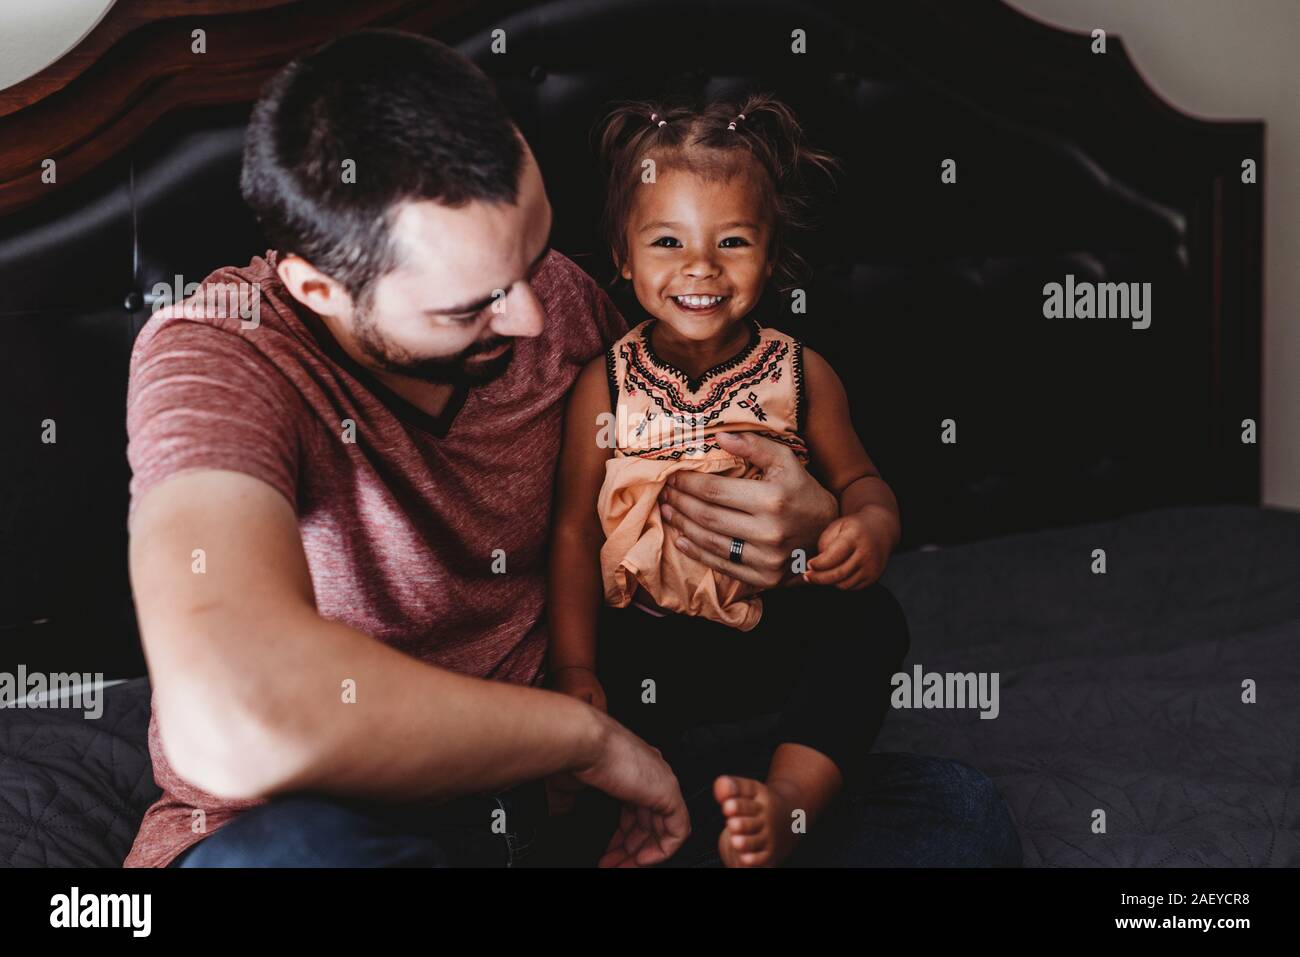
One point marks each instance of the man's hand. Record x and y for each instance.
(784, 510)
(654, 822)
(852, 552)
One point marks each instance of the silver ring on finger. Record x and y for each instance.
(737, 550)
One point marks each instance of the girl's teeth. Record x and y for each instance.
(698, 302)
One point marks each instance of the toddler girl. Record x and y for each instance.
(699, 215)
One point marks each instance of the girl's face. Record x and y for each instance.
(698, 251)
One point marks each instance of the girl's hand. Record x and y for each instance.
(852, 552)
(562, 793)
(581, 683)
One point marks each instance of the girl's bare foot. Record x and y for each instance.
(759, 831)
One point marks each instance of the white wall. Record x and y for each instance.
(1232, 59)
(35, 33)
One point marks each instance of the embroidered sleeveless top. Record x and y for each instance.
(665, 421)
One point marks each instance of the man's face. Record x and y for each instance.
(450, 311)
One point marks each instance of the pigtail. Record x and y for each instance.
(621, 130)
(773, 134)
(774, 128)
(630, 130)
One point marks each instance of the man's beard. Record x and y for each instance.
(461, 368)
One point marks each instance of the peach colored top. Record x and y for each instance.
(665, 421)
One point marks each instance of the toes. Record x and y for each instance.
(733, 856)
(725, 787)
(729, 786)
(745, 824)
(741, 807)
(747, 843)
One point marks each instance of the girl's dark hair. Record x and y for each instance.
(716, 142)
(420, 121)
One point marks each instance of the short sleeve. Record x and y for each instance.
(608, 319)
(203, 397)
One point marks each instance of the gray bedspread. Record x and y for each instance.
(72, 790)
(1119, 693)
(1123, 692)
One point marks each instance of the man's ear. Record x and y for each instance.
(311, 287)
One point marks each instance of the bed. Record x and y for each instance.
(1119, 692)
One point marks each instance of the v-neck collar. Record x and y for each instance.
(435, 425)
(694, 384)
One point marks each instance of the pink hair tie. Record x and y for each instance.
(732, 124)
(655, 116)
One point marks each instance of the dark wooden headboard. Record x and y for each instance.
(927, 296)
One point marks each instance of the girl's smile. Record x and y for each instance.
(694, 307)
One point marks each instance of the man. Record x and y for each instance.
(339, 510)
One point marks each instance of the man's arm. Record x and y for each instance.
(249, 678)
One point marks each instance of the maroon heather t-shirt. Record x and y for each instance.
(400, 527)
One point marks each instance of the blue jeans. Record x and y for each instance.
(901, 810)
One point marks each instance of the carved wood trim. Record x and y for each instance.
(137, 65)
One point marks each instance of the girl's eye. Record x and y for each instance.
(737, 240)
(667, 242)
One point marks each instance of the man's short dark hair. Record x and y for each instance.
(419, 120)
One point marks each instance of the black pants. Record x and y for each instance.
(820, 660)
(821, 657)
